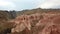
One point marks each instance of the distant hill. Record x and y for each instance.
(7, 15)
(38, 10)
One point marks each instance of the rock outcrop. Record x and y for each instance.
(45, 23)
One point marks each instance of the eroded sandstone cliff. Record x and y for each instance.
(45, 23)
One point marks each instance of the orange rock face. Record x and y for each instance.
(46, 23)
